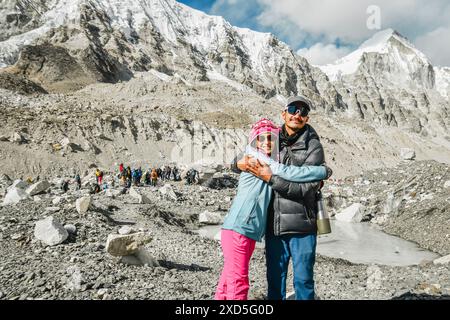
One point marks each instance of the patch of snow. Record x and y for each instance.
(170, 18)
(164, 77)
(177, 76)
(256, 44)
(63, 13)
(216, 76)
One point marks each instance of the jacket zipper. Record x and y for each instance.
(277, 216)
(307, 215)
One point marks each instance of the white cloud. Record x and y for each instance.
(300, 22)
(436, 46)
(347, 19)
(321, 54)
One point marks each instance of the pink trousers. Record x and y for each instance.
(237, 251)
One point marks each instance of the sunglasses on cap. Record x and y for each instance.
(302, 110)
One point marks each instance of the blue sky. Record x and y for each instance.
(244, 14)
(326, 30)
(245, 17)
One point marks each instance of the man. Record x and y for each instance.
(78, 181)
(176, 174)
(194, 176)
(97, 174)
(189, 176)
(65, 186)
(168, 172)
(291, 226)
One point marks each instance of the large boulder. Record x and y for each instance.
(70, 228)
(126, 230)
(18, 184)
(50, 231)
(83, 204)
(15, 195)
(38, 187)
(88, 179)
(68, 145)
(168, 192)
(407, 154)
(139, 197)
(442, 260)
(125, 245)
(207, 217)
(354, 213)
(17, 137)
(392, 203)
(64, 142)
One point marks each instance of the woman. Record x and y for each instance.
(245, 223)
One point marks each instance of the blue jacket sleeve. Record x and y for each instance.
(300, 174)
(290, 173)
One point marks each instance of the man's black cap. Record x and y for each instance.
(299, 100)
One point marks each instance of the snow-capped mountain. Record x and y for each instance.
(139, 35)
(402, 54)
(388, 81)
(64, 45)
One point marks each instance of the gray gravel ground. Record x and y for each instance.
(190, 267)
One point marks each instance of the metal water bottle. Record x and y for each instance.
(323, 221)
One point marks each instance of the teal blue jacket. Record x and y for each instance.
(248, 212)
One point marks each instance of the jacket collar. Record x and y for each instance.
(296, 140)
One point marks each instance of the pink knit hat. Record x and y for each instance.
(263, 126)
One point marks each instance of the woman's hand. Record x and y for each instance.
(245, 163)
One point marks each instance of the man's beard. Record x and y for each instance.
(296, 125)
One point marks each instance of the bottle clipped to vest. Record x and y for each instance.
(323, 221)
